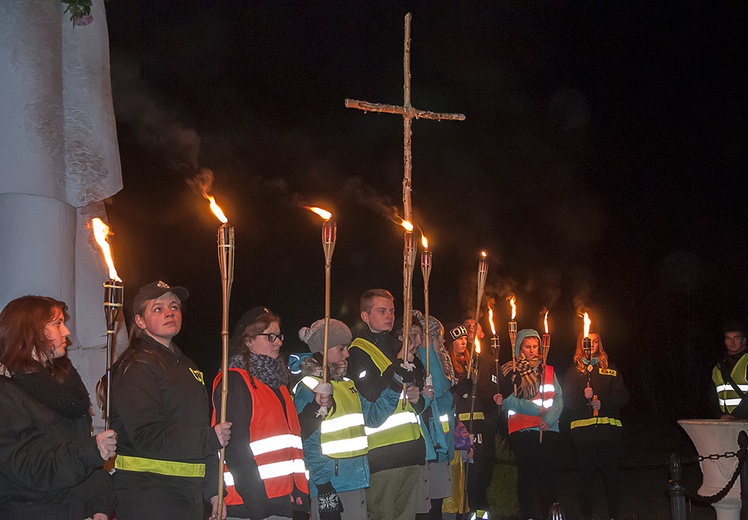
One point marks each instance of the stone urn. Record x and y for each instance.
(711, 436)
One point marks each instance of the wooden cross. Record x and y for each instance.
(408, 112)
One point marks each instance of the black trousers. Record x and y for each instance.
(598, 449)
(480, 472)
(536, 463)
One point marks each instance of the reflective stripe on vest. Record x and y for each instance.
(594, 421)
(728, 397)
(275, 442)
(342, 433)
(169, 468)
(402, 425)
(444, 420)
(477, 416)
(518, 421)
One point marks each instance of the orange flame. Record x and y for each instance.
(513, 303)
(215, 208)
(587, 323)
(545, 322)
(407, 225)
(326, 215)
(490, 321)
(483, 254)
(424, 242)
(101, 232)
(477, 346)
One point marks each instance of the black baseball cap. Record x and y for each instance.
(156, 290)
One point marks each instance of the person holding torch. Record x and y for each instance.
(594, 395)
(166, 467)
(532, 409)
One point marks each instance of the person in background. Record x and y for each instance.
(265, 460)
(438, 419)
(50, 464)
(534, 401)
(594, 394)
(730, 377)
(167, 466)
(335, 444)
(396, 448)
(485, 416)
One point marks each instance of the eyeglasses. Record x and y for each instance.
(272, 336)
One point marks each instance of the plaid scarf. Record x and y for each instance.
(527, 371)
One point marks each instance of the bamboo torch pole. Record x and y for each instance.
(482, 273)
(426, 258)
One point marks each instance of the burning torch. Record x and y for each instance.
(113, 298)
(409, 259)
(495, 347)
(482, 274)
(587, 347)
(226, 250)
(513, 334)
(329, 237)
(426, 258)
(546, 344)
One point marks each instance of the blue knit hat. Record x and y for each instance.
(524, 333)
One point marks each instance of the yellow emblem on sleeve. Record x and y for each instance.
(198, 375)
(608, 372)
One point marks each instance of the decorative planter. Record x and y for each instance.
(717, 437)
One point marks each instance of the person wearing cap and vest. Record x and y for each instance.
(335, 444)
(166, 466)
(396, 448)
(594, 394)
(265, 474)
(534, 401)
(730, 377)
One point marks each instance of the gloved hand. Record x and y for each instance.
(595, 404)
(588, 393)
(462, 389)
(399, 376)
(330, 505)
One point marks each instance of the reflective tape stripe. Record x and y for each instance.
(545, 404)
(278, 442)
(228, 478)
(344, 445)
(596, 420)
(337, 424)
(730, 402)
(476, 416)
(160, 467)
(281, 469)
(728, 388)
(393, 421)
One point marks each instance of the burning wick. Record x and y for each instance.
(215, 208)
(326, 215)
(101, 232)
(587, 323)
(546, 339)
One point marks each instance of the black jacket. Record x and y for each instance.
(160, 410)
(50, 466)
(607, 385)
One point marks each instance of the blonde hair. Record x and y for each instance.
(579, 353)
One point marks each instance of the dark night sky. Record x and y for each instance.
(599, 164)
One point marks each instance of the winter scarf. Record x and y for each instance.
(69, 397)
(272, 372)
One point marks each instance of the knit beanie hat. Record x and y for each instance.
(524, 333)
(436, 328)
(314, 335)
(456, 330)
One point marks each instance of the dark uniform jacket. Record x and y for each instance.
(160, 410)
(607, 385)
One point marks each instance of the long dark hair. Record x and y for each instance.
(23, 345)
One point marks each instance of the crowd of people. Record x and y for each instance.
(365, 429)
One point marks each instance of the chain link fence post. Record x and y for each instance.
(677, 490)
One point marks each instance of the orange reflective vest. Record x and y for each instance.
(544, 398)
(275, 442)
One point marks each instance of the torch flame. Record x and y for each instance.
(477, 345)
(407, 225)
(326, 215)
(490, 321)
(424, 242)
(513, 303)
(215, 208)
(483, 254)
(587, 323)
(101, 232)
(545, 322)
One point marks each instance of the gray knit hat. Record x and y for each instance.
(436, 328)
(314, 336)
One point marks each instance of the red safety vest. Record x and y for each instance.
(518, 421)
(276, 444)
